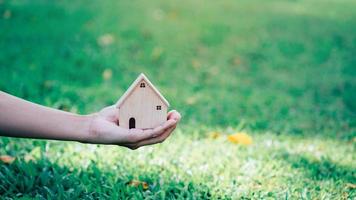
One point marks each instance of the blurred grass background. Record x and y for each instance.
(283, 71)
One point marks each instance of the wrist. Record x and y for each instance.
(86, 131)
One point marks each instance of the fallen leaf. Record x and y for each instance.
(137, 183)
(107, 74)
(106, 40)
(144, 185)
(7, 159)
(240, 138)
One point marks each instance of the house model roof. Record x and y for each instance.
(134, 84)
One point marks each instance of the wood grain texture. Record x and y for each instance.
(138, 80)
(141, 104)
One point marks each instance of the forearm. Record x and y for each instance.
(20, 118)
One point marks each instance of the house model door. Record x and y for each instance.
(132, 123)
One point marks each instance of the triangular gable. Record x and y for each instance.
(134, 84)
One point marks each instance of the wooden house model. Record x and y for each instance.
(142, 105)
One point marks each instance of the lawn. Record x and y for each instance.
(282, 72)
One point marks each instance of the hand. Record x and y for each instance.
(104, 130)
(20, 118)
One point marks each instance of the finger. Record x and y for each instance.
(150, 141)
(160, 129)
(158, 139)
(174, 115)
(137, 135)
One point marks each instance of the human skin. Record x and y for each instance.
(21, 118)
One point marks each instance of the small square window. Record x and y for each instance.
(142, 85)
(159, 107)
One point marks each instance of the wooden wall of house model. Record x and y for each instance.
(142, 105)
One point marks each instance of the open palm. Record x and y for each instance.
(104, 129)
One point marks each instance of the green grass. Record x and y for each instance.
(282, 71)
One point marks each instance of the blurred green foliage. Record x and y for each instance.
(281, 67)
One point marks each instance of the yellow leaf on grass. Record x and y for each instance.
(240, 138)
(137, 183)
(144, 185)
(7, 159)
